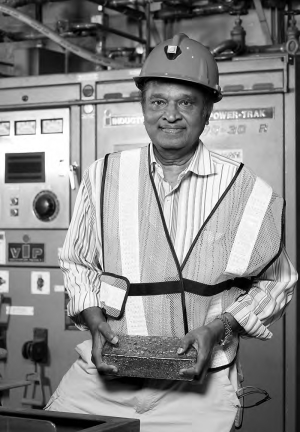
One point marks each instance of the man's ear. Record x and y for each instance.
(208, 107)
(208, 116)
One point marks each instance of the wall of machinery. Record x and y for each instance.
(61, 36)
(67, 97)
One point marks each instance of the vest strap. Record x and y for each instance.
(174, 287)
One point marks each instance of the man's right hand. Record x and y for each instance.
(101, 332)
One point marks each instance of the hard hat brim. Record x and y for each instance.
(216, 95)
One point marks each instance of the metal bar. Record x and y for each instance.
(263, 22)
(67, 104)
(291, 160)
(148, 28)
(120, 33)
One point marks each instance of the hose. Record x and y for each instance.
(81, 52)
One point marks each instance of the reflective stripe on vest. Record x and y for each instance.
(129, 236)
(249, 227)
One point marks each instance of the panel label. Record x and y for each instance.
(242, 114)
(20, 310)
(26, 252)
(235, 154)
(110, 120)
(59, 288)
(4, 128)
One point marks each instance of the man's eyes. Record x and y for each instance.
(158, 102)
(186, 103)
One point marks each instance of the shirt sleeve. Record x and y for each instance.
(267, 299)
(81, 255)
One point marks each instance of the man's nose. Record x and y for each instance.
(172, 112)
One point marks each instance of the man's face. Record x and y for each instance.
(175, 114)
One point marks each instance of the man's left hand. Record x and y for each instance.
(203, 339)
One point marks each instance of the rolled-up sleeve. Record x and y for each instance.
(81, 257)
(267, 299)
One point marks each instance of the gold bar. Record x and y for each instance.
(149, 357)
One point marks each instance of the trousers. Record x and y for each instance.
(160, 405)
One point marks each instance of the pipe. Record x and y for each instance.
(257, 49)
(190, 12)
(226, 45)
(75, 49)
(96, 26)
(20, 3)
(4, 63)
(263, 22)
(121, 52)
(22, 36)
(148, 28)
(132, 13)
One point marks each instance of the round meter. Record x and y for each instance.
(46, 206)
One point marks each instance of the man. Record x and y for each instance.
(195, 241)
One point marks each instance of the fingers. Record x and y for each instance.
(200, 338)
(99, 338)
(185, 343)
(198, 371)
(107, 332)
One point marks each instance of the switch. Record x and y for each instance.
(40, 283)
(14, 212)
(14, 201)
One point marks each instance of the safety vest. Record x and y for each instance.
(144, 288)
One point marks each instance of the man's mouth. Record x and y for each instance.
(172, 131)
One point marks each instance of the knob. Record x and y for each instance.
(45, 206)
(14, 201)
(14, 212)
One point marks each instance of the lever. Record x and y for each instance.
(72, 173)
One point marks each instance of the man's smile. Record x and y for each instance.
(171, 130)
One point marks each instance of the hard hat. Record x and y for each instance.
(185, 59)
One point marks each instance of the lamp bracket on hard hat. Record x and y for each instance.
(183, 59)
(172, 52)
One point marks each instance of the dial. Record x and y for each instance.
(46, 206)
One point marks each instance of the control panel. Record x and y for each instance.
(35, 169)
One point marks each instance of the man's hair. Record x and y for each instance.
(208, 98)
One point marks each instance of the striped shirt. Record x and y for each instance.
(185, 206)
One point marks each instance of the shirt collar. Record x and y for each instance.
(200, 164)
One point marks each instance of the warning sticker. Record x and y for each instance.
(242, 114)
